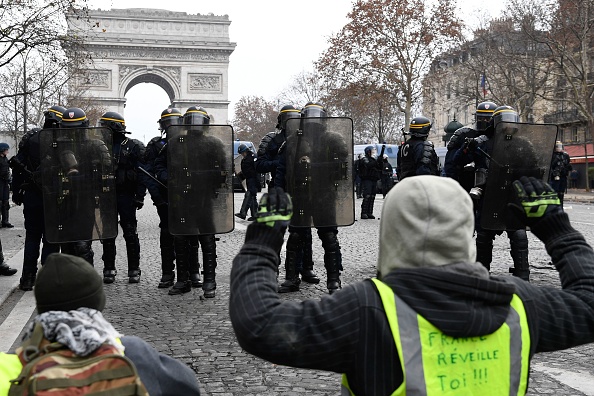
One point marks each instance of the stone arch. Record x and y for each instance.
(185, 54)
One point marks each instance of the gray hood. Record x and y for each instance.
(427, 221)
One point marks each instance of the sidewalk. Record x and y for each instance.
(580, 196)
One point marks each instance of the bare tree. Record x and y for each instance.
(388, 45)
(254, 117)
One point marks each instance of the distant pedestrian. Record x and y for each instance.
(5, 180)
(249, 174)
(386, 178)
(573, 178)
(560, 168)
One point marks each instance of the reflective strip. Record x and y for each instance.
(112, 119)
(414, 372)
(419, 126)
(515, 350)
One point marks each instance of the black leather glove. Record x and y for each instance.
(533, 200)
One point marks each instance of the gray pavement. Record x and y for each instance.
(198, 331)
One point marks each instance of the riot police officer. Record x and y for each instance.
(127, 157)
(299, 240)
(186, 246)
(75, 117)
(464, 173)
(27, 191)
(478, 150)
(370, 169)
(560, 168)
(417, 156)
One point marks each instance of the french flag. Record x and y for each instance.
(484, 85)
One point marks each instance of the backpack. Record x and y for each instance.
(52, 368)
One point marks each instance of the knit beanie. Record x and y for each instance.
(426, 221)
(66, 283)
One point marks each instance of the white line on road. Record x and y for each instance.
(18, 318)
(579, 380)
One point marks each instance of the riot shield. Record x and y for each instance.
(518, 150)
(200, 186)
(79, 197)
(319, 160)
(237, 170)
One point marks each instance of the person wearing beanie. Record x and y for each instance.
(433, 320)
(70, 299)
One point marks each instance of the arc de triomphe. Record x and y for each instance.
(186, 55)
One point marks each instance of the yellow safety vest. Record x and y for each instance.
(437, 364)
(10, 368)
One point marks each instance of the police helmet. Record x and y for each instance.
(419, 127)
(505, 114)
(53, 116)
(113, 121)
(4, 147)
(312, 109)
(75, 117)
(369, 151)
(169, 116)
(196, 115)
(484, 112)
(242, 148)
(287, 112)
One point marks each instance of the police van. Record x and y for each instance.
(391, 151)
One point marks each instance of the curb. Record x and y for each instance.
(9, 283)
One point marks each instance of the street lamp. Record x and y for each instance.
(24, 58)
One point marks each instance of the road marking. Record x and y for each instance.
(581, 222)
(579, 380)
(18, 318)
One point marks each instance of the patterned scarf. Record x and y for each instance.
(82, 330)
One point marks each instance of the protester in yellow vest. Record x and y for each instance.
(434, 322)
(69, 298)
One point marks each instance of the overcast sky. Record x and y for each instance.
(262, 30)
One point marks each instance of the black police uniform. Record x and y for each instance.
(370, 171)
(130, 191)
(27, 191)
(518, 238)
(457, 171)
(186, 246)
(560, 168)
(417, 157)
(5, 179)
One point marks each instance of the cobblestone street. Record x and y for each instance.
(198, 331)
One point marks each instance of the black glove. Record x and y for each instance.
(470, 145)
(17, 197)
(139, 203)
(533, 200)
(275, 210)
(274, 214)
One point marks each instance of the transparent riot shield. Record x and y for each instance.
(237, 170)
(518, 150)
(319, 160)
(200, 186)
(79, 197)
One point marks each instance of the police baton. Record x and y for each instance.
(489, 157)
(151, 176)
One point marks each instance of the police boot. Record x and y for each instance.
(519, 254)
(167, 258)
(307, 273)
(484, 249)
(27, 281)
(194, 264)
(133, 253)
(108, 257)
(332, 264)
(183, 284)
(209, 261)
(292, 281)
(5, 209)
(364, 208)
(5, 270)
(370, 204)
